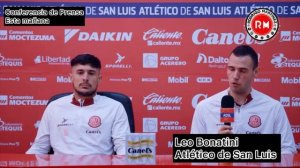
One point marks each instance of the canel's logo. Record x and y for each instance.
(203, 36)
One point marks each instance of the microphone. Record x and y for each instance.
(227, 110)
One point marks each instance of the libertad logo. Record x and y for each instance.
(52, 60)
(162, 37)
(97, 36)
(262, 24)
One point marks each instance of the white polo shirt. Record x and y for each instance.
(262, 115)
(99, 128)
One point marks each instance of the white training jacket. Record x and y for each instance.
(99, 128)
(262, 115)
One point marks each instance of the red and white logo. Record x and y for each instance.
(254, 121)
(262, 24)
(95, 121)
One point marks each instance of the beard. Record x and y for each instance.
(85, 94)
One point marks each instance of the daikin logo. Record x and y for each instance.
(97, 36)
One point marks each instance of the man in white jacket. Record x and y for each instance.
(83, 123)
(255, 112)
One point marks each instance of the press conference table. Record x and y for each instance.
(23, 160)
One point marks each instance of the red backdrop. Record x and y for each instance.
(182, 58)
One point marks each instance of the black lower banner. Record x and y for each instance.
(226, 148)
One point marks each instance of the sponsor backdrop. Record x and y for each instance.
(167, 56)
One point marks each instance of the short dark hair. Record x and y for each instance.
(245, 50)
(86, 59)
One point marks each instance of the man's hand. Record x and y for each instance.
(225, 129)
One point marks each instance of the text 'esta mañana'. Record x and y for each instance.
(200, 142)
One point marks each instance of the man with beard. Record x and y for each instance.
(83, 123)
(254, 112)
